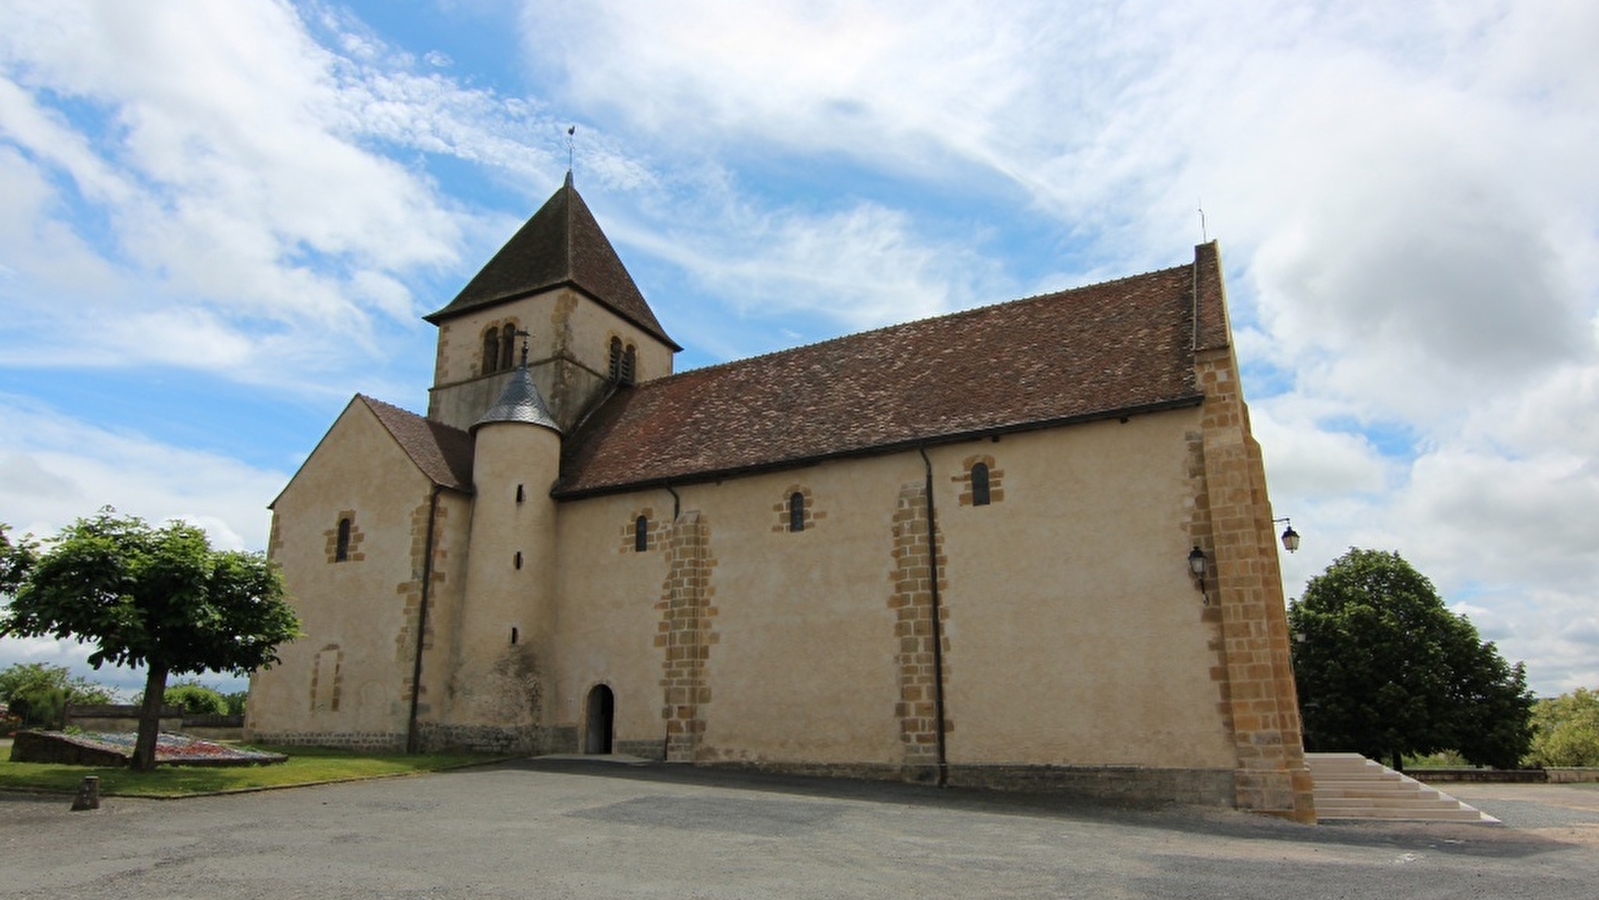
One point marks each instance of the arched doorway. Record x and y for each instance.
(601, 709)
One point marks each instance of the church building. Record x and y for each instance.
(1024, 546)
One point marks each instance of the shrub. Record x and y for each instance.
(196, 699)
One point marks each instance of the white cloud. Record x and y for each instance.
(55, 468)
(211, 169)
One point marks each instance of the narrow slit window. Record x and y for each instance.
(796, 512)
(513, 634)
(520, 495)
(641, 534)
(616, 359)
(341, 547)
(517, 560)
(980, 495)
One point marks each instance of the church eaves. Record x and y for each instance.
(1107, 350)
(520, 402)
(560, 246)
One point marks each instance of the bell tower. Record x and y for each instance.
(559, 279)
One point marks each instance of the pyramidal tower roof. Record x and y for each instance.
(562, 245)
(519, 402)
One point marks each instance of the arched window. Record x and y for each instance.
(641, 534)
(796, 511)
(616, 359)
(980, 484)
(491, 350)
(507, 346)
(629, 364)
(341, 546)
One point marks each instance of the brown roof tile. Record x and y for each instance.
(442, 453)
(560, 245)
(1074, 355)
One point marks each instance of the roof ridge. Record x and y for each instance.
(969, 311)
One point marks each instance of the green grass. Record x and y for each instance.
(306, 765)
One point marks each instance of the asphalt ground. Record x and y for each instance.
(582, 828)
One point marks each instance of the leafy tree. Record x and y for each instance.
(1565, 730)
(39, 692)
(157, 597)
(196, 699)
(236, 701)
(1384, 668)
(15, 560)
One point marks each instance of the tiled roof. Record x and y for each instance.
(1090, 352)
(442, 453)
(560, 245)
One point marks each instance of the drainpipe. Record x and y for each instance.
(677, 502)
(938, 625)
(412, 739)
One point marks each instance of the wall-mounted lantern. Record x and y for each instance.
(1290, 536)
(1196, 567)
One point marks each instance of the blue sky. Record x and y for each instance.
(223, 219)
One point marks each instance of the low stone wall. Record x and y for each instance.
(1572, 775)
(215, 728)
(116, 717)
(211, 733)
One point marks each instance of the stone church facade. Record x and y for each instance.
(954, 550)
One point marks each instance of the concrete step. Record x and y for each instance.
(1349, 786)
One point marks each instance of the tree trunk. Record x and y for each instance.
(155, 689)
(1399, 761)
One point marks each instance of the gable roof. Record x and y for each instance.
(560, 246)
(1104, 350)
(441, 453)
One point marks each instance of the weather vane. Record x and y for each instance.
(571, 130)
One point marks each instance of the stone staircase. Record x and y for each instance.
(1350, 786)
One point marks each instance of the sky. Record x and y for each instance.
(221, 220)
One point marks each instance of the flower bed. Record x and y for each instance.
(171, 749)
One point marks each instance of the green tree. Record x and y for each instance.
(16, 560)
(156, 597)
(39, 692)
(236, 701)
(1384, 668)
(196, 699)
(1565, 730)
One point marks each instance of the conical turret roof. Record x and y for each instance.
(519, 402)
(562, 245)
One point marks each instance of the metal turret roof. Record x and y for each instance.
(519, 402)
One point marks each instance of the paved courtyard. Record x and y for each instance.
(561, 828)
